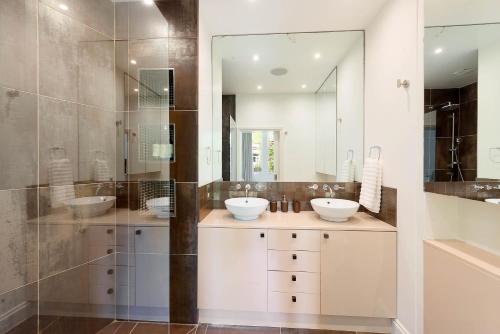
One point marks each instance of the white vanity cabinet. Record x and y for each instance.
(313, 268)
(232, 269)
(358, 274)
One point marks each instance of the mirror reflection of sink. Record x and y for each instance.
(87, 207)
(160, 207)
(246, 208)
(493, 200)
(334, 210)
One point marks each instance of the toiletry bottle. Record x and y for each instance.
(296, 206)
(273, 206)
(284, 204)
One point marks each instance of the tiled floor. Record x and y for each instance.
(154, 328)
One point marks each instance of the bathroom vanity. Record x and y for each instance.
(295, 269)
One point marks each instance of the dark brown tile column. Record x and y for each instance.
(182, 17)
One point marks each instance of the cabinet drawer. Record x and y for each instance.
(294, 261)
(102, 294)
(152, 240)
(294, 240)
(280, 281)
(289, 302)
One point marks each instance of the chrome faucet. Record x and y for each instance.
(326, 188)
(247, 188)
(100, 186)
(313, 187)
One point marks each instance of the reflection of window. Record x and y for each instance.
(264, 154)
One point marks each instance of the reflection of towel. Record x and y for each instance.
(348, 171)
(371, 185)
(60, 182)
(101, 171)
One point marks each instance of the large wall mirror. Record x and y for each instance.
(288, 107)
(462, 108)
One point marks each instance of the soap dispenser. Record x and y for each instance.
(284, 204)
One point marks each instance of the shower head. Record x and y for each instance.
(446, 106)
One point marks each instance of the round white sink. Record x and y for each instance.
(246, 208)
(493, 200)
(160, 207)
(87, 207)
(334, 210)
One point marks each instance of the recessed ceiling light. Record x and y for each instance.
(63, 6)
(165, 89)
(317, 55)
(148, 2)
(136, 89)
(256, 57)
(259, 87)
(438, 51)
(304, 86)
(133, 61)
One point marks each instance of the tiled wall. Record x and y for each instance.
(182, 17)
(465, 189)
(465, 128)
(213, 195)
(77, 97)
(56, 90)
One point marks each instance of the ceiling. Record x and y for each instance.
(230, 17)
(456, 66)
(456, 12)
(294, 52)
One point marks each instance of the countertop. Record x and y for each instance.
(305, 220)
(124, 217)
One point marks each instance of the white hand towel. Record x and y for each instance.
(60, 182)
(371, 185)
(101, 171)
(348, 171)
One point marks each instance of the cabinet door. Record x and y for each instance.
(358, 274)
(232, 269)
(152, 280)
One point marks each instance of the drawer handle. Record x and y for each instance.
(109, 251)
(294, 235)
(109, 231)
(110, 291)
(111, 271)
(294, 257)
(294, 299)
(138, 232)
(262, 235)
(326, 236)
(294, 278)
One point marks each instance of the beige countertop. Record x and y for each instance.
(305, 220)
(124, 217)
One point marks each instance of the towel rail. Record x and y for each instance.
(375, 147)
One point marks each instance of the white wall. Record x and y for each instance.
(294, 114)
(488, 161)
(350, 106)
(394, 120)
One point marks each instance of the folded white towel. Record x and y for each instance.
(60, 182)
(371, 185)
(101, 171)
(348, 171)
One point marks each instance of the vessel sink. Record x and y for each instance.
(493, 200)
(334, 210)
(246, 208)
(160, 207)
(86, 207)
